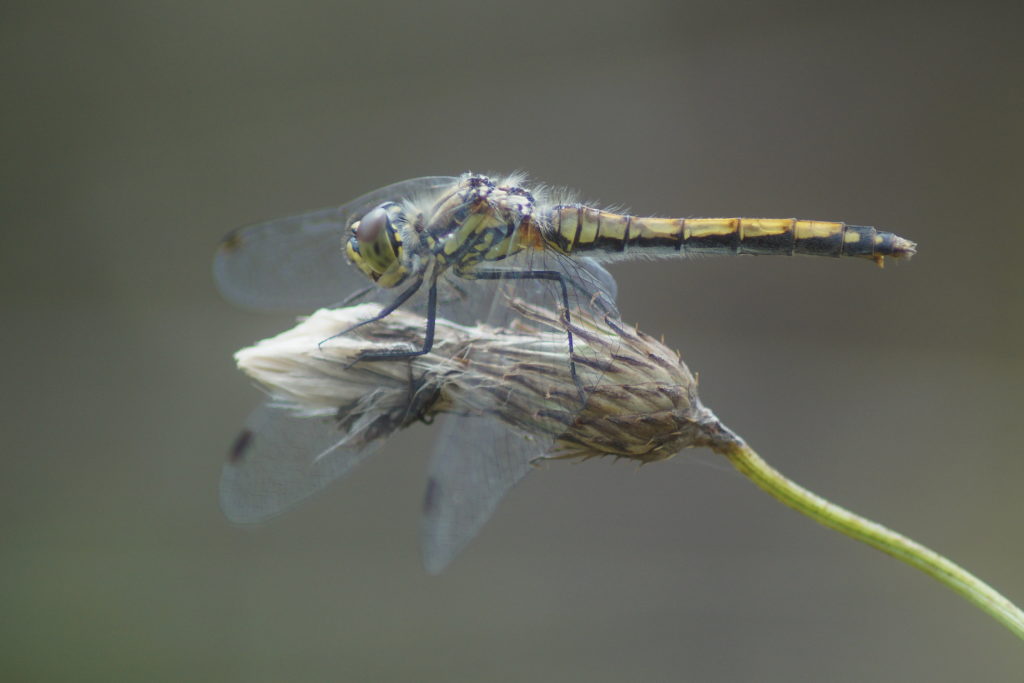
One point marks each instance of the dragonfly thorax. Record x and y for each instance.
(375, 245)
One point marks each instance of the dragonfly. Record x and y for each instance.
(460, 248)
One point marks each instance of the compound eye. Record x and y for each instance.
(371, 225)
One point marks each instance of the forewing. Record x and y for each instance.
(280, 459)
(477, 461)
(298, 262)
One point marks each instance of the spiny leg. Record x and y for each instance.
(384, 312)
(428, 337)
(554, 275)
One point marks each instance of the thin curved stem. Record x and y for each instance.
(877, 536)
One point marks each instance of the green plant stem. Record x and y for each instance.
(877, 536)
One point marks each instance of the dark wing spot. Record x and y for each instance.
(431, 497)
(232, 241)
(242, 443)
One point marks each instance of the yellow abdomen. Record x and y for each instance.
(583, 229)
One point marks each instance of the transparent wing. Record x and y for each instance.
(589, 288)
(299, 262)
(596, 278)
(478, 458)
(280, 459)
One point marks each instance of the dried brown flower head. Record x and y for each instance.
(640, 398)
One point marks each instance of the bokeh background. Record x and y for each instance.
(136, 133)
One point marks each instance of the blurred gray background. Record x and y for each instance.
(136, 134)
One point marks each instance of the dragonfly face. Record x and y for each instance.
(375, 246)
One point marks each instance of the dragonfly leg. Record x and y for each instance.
(384, 312)
(554, 276)
(428, 336)
(354, 296)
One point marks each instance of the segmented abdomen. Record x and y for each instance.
(583, 229)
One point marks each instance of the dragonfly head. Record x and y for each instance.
(375, 246)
